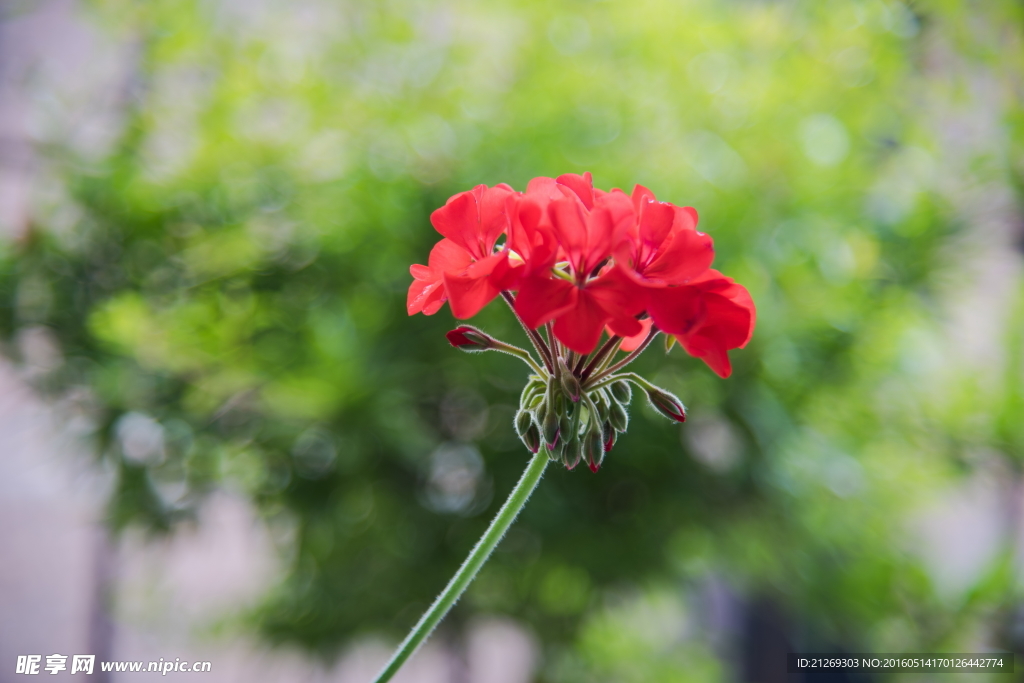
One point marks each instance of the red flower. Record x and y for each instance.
(709, 315)
(587, 226)
(466, 269)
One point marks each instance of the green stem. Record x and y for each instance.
(518, 353)
(625, 361)
(468, 571)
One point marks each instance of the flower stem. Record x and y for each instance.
(469, 569)
(625, 361)
(538, 342)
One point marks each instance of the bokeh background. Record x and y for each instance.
(222, 438)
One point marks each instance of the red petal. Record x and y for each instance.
(708, 349)
(470, 291)
(458, 220)
(618, 295)
(641, 195)
(541, 299)
(688, 254)
(420, 272)
(677, 310)
(582, 185)
(570, 228)
(580, 327)
(449, 257)
(631, 343)
(425, 297)
(655, 223)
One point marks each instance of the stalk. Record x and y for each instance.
(625, 361)
(538, 342)
(469, 569)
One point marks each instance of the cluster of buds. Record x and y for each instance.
(588, 274)
(576, 412)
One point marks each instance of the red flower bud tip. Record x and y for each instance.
(468, 339)
(667, 404)
(610, 441)
(594, 467)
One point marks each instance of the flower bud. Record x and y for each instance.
(602, 403)
(531, 438)
(609, 436)
(549, 427)
(667, 404)
(523, 422)
(570, 385)
(533, 388)
(621, 391)
(470, 339)
(564, 425)
(593, 449)
(618, 417)
(572, 452)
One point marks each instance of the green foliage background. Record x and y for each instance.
(237, 268)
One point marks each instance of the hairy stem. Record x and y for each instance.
(538, 342)
(607, 348)
(469, 569)
(522, 354)
(627, 360)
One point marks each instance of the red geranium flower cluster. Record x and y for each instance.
(586, 261)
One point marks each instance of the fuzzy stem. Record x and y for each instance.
(522, 354)
(469, 569)
(538, 342)
(599, 357)
(627, 360)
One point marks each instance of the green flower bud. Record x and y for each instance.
(531, 438)
(570, 385)
(610, 435)
(549, 427)
(572, 453)
(618, 417)
(667, 404)
(621, 391)
(524, 419)
(564, 425)
(593, 449)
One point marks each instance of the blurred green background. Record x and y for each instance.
(221, 293)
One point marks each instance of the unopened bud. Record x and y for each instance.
(618, 417)
(593, 449)
(470, 339)
(570, 385)
(621, 391)
(609, 437)
(531, 391)
(523, 422)
(531, 438)
(602, 403)
(549, 427)
(564, 424)
(667, 404)
(572, 452)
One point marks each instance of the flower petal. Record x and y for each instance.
(473, 289)
(579, 328)
(631, 343)
(581, 185)
(687, 254)
(541, 299)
